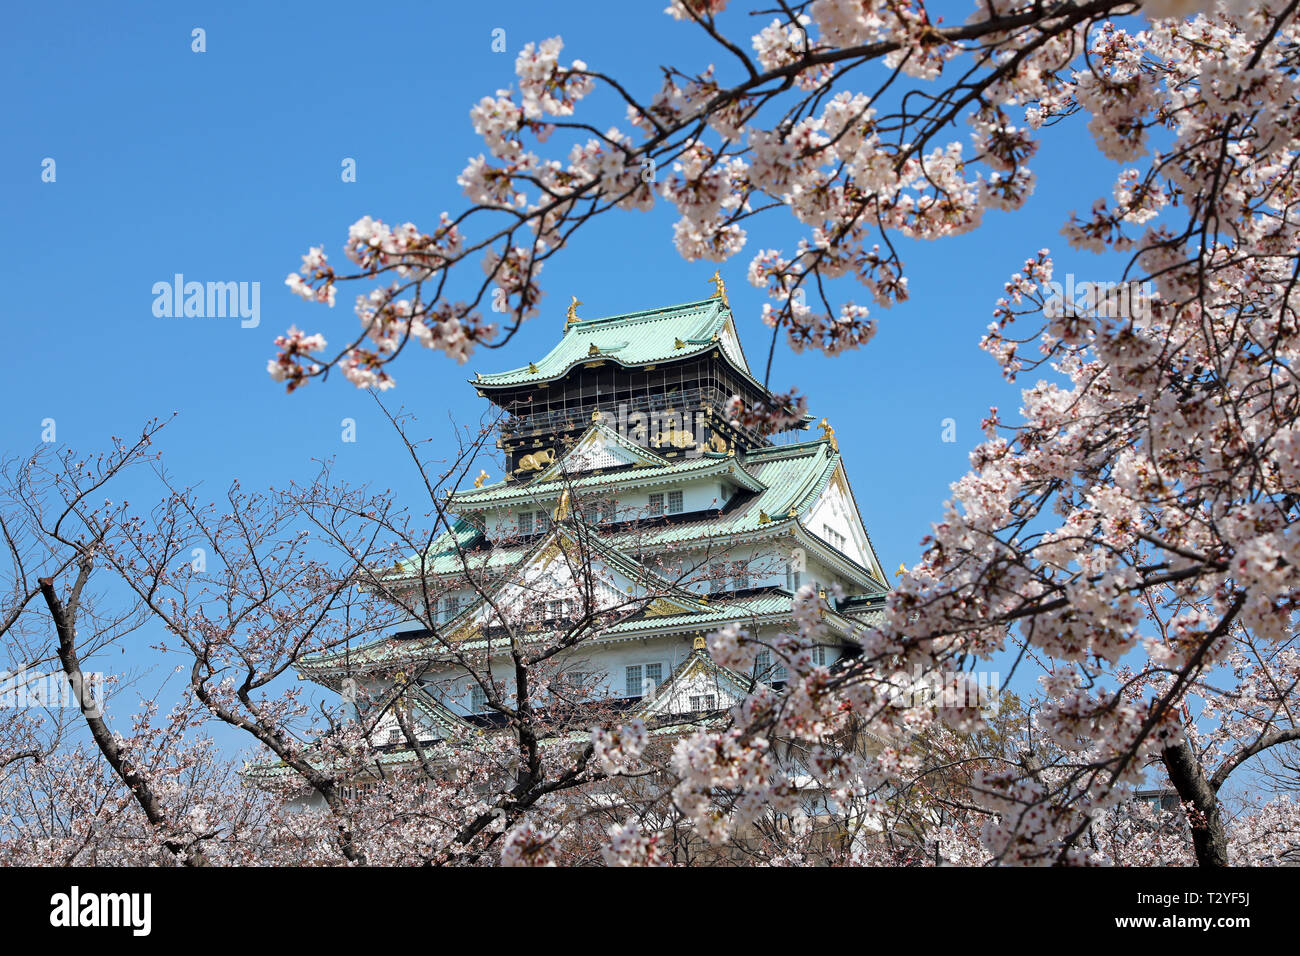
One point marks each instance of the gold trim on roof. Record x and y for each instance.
(719, 288)
(828, 434)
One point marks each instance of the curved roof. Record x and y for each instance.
(635, 339)
(785, 481)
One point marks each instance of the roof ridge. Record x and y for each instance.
(776, 451)
(642, 313)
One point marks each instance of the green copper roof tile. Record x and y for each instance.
(501, 493)
(633, 339)
(784, 477)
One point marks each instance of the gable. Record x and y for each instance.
(698, 685)
(560, 570)
(601, 447)
(834, 518)
(730, 342)
(429, 720)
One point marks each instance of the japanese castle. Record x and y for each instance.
(634, 507)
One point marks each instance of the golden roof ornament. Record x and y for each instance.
(901, 569)
(719, 288)
(597, 416)
(482, 477)
(678, 344)
(562, 510)
(593, 349)
(828, 434)
(699, 644)
(764, 517)
(532, 367)
(571, 316)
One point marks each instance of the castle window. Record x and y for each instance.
(656, 504)
(717, 577)
(394, 735)
(674, 502)
(739, 575)
(641, 679)
(701, 702)
(571, 686)
(525, 522)
(764, 670)
(477, 699)
(543, 520)
(450, 606)
(834, 537)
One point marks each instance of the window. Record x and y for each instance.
(450, 606)
(571, 686)
(717, 577)
(477, 698)
(704, 702)
(819, 655)
(739, 575)
(764, 670)
(525, 522)
(591, 515)
(394, 735)
(792, 579)
(542, 519)
(656, 504)
(834, 537)
(641, 679)
(674, 502)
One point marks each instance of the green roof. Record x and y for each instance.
(634, 339)
(501, 493)
(392, 651)
(787, 477)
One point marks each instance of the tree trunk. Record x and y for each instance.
(1188, 778)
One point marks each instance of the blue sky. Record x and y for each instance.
(225, 166)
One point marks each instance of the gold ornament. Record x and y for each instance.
(719, 288)
(828, 434)
(562, 510)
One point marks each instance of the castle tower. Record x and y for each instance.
(619, 440)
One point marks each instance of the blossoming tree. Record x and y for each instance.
(1133, 531)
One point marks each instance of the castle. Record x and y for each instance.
(637, 514)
